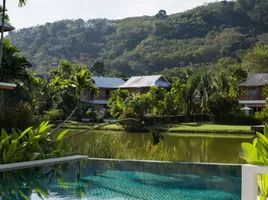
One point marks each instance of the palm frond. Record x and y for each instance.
(22, 3)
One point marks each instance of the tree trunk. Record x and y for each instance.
(102, 125)
(77, 104)
(90, 129)
(2, 31)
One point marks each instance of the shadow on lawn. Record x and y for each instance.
(166, 127)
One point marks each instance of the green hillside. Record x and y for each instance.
(150, 44)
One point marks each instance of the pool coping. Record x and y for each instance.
(39, 163)
(164, 162)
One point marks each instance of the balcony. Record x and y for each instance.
(101, 97)
(252, 97)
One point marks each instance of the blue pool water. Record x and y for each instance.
(120, 180)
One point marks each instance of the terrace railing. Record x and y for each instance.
(102, 97)
(252, 97)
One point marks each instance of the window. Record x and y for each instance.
(251, 92)
(107, 92)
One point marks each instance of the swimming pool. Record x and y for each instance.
(114, 179)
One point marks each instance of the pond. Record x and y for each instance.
(209, 148)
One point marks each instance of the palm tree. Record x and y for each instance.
(78, 77)
(21, 3)
(14, 66)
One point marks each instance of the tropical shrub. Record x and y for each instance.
(130, 125)
(257, 154)
(237, 119)
(15, 114)
(263, 115)
(31, 144)
(96, 115)
(52, 115)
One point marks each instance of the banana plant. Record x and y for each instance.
(30, 144)
(257, 154)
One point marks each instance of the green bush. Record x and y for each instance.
(130, 125)
(96, 115)
(262, 116)
(237, 119)
(52, 115)
(31, 144)
(15, 115)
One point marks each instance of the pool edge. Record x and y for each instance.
(39, 163)
(167, 162)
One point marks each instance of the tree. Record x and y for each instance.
(14, 66)
(162, 14)
(255, 61)
(98, 68)
(206, 88)
(77, 77)
(3, 18)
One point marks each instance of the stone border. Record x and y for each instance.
(164, 162)
(39, 163)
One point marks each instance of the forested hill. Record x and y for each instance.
(146, 45)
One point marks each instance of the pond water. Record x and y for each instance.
(209, 148)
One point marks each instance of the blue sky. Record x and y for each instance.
(42, 11)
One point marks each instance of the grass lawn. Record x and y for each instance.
(181, 127)
(86, 125)
(203, 127)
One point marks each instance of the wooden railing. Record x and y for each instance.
(252, 97)
(102, 97)
(92, 98)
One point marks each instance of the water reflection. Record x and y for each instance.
(183, 148)
(104, 179)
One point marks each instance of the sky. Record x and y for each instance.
(38, 12)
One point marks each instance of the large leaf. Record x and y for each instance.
(263, 185)
(5, 141)
(15, 135)
(262, 149)
(262, 139)
(3, 134)
(63, 133)
(44, 127)
(24, 132)
(251, 154)
(12, 148)
(265, 131)
(24, 195)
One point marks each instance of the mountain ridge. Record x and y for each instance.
(149, 44)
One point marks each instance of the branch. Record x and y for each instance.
(94, 128)
(77, 104)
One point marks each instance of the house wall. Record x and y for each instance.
(104, 94)
(252, 97)
(6, 87)
(138, 90)
(251, 93)
(162, 83)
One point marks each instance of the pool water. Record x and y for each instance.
(120, 180)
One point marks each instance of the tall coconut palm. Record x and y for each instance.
(21, 3)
